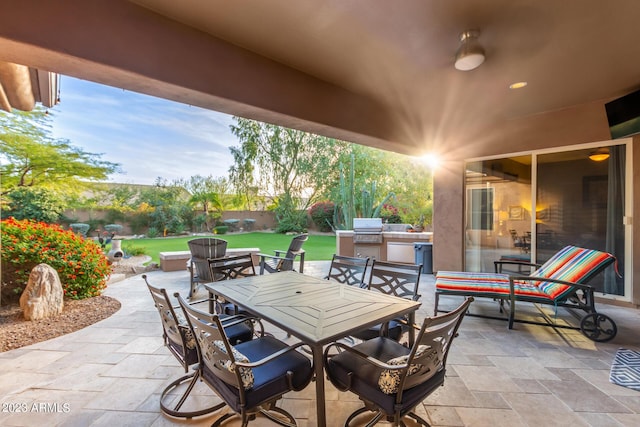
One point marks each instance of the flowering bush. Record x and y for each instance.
(390, 214)
(82, 266)
(322, 215)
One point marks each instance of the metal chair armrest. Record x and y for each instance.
(498, 264)
(241, 318)
(271, 357)
(582, 286)
(264, 256)
(363, 356)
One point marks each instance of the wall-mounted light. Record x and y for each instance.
(599, 155)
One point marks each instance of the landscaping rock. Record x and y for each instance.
(43, 297)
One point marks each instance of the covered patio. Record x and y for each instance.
(393, 78)
(380, 76)
(112, 373)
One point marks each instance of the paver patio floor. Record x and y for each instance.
(112, 373)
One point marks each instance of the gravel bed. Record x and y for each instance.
(15, 332)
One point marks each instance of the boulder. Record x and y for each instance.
(43, 296)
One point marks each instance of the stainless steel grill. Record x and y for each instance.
(367, 230)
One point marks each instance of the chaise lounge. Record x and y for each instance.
(560, 282)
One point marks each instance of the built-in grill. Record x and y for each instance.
(367, 230)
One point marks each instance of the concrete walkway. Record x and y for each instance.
(111, 373)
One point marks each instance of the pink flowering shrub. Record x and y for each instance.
(390, 214)
(322, 215)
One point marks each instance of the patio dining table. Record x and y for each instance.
(315, 311)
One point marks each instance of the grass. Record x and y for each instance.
(317, 248)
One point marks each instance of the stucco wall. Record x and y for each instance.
(583, 124)
(265, 220)
(448, 220)
(587, 123)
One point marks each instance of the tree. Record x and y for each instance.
(30, 157)
(372, 177)
(38, 204)
(165, 207)
(288, 165)
(414, 191)
(208, 194)
(296, 169)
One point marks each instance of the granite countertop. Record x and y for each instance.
(425, 235)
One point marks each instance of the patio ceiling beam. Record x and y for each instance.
(121, 44)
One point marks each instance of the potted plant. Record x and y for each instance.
(419, 225)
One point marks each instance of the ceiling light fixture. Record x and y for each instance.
(599, 155)
(470, 54)
(517, 85)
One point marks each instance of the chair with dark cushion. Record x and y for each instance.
(283, 260)
(249, 377)
(229, 268)
(390, 378)
(348, 270)
(201, 250)
(181, 343)
(401, 280)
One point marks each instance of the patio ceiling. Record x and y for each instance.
(375, 72)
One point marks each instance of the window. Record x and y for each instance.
(481, 209)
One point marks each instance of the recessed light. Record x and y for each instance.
(517, 85)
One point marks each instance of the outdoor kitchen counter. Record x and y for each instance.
(406, 235)
(396, 246)
(424, 236)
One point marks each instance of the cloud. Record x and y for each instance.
(149, 137)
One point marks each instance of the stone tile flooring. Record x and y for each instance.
(111, 373)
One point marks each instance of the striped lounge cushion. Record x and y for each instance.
(572, 264)
(485, 284)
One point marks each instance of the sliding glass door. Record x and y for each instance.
(580, 201)
(498, 200)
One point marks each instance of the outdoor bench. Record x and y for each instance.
(560, 282)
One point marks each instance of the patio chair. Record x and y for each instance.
(228, 268)
(522, 242)
(180, 342)
(390, 378)
(348, 270)
(249, 377)
(201, 250)
(562, 281)
(401, 280)
(283, 260)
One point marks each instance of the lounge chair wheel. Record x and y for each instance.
(598, 327)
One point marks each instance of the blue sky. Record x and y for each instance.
(149, 137)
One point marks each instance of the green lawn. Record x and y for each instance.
(317, 248)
